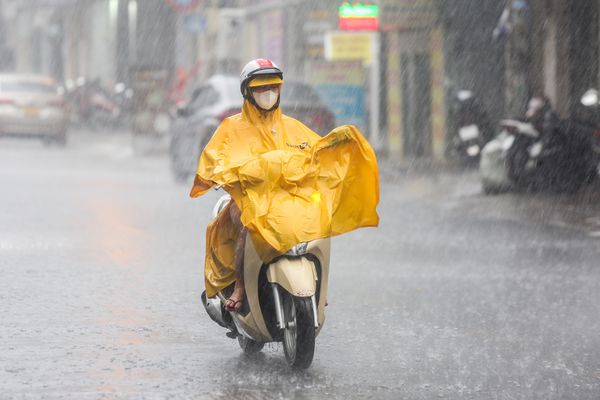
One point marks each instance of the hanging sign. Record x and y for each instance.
(358, 17)
(343, 46)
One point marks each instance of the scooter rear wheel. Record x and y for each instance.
(299, 331)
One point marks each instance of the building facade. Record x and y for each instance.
(426, 51)
(566, 47)
(544, 47)
(413, 74)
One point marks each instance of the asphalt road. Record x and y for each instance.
(455, 296)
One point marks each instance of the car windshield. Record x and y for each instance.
(210, 94)
(298, 92)
(28, 87)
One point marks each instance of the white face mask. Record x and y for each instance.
(266, 100)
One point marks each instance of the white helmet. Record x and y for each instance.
(256, 68)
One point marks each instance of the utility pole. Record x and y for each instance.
(4, 56)
(56, 34)
(155, 35)
(518, 55)
(122, 70)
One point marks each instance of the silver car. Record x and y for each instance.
(32, 106)
(216, 99)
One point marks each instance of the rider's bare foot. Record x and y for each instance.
(234, 302)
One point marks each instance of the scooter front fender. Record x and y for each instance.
(298, 276)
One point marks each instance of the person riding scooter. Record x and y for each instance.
(543, 117)
(271, 165)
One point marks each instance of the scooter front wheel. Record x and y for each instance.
(299, 331)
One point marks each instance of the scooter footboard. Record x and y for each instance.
(298, 276)
(492, 165)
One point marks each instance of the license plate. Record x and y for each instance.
(32, 111)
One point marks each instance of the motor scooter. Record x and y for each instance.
(284, 302)
(468, 142)
(472, 127)
(521, 158)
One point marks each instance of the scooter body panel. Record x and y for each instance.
(296, 275)
(321, 250)
(253, 323)
(301, 276)
(492, 164)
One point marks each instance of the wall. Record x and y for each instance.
(414, 76)
(155, 35)
(474, 60)
(569, 41)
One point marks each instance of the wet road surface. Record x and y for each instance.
(455, 296)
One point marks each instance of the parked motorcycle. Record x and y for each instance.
(472, 127)
(285, 299)
(103, 111)
(124, 98)
(520, 157)
(93, 106)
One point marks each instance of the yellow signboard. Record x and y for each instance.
(349, 46)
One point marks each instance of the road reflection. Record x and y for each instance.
(113, 233)
(267, 376)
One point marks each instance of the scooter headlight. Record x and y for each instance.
(297, 250)
(473, 150)
(508, 142)
(536, 150)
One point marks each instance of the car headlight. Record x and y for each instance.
(297, 250)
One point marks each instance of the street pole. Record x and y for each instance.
(517, 58)
(374, 105)
(122, 71)
(155, 36)
(3, 51)
(56, 61)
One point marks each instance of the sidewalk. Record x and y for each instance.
(579, 211)
(393, 168)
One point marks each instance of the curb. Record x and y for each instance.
(398, 168)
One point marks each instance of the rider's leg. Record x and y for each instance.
(234, 302)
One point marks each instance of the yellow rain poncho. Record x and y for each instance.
(290, 184)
